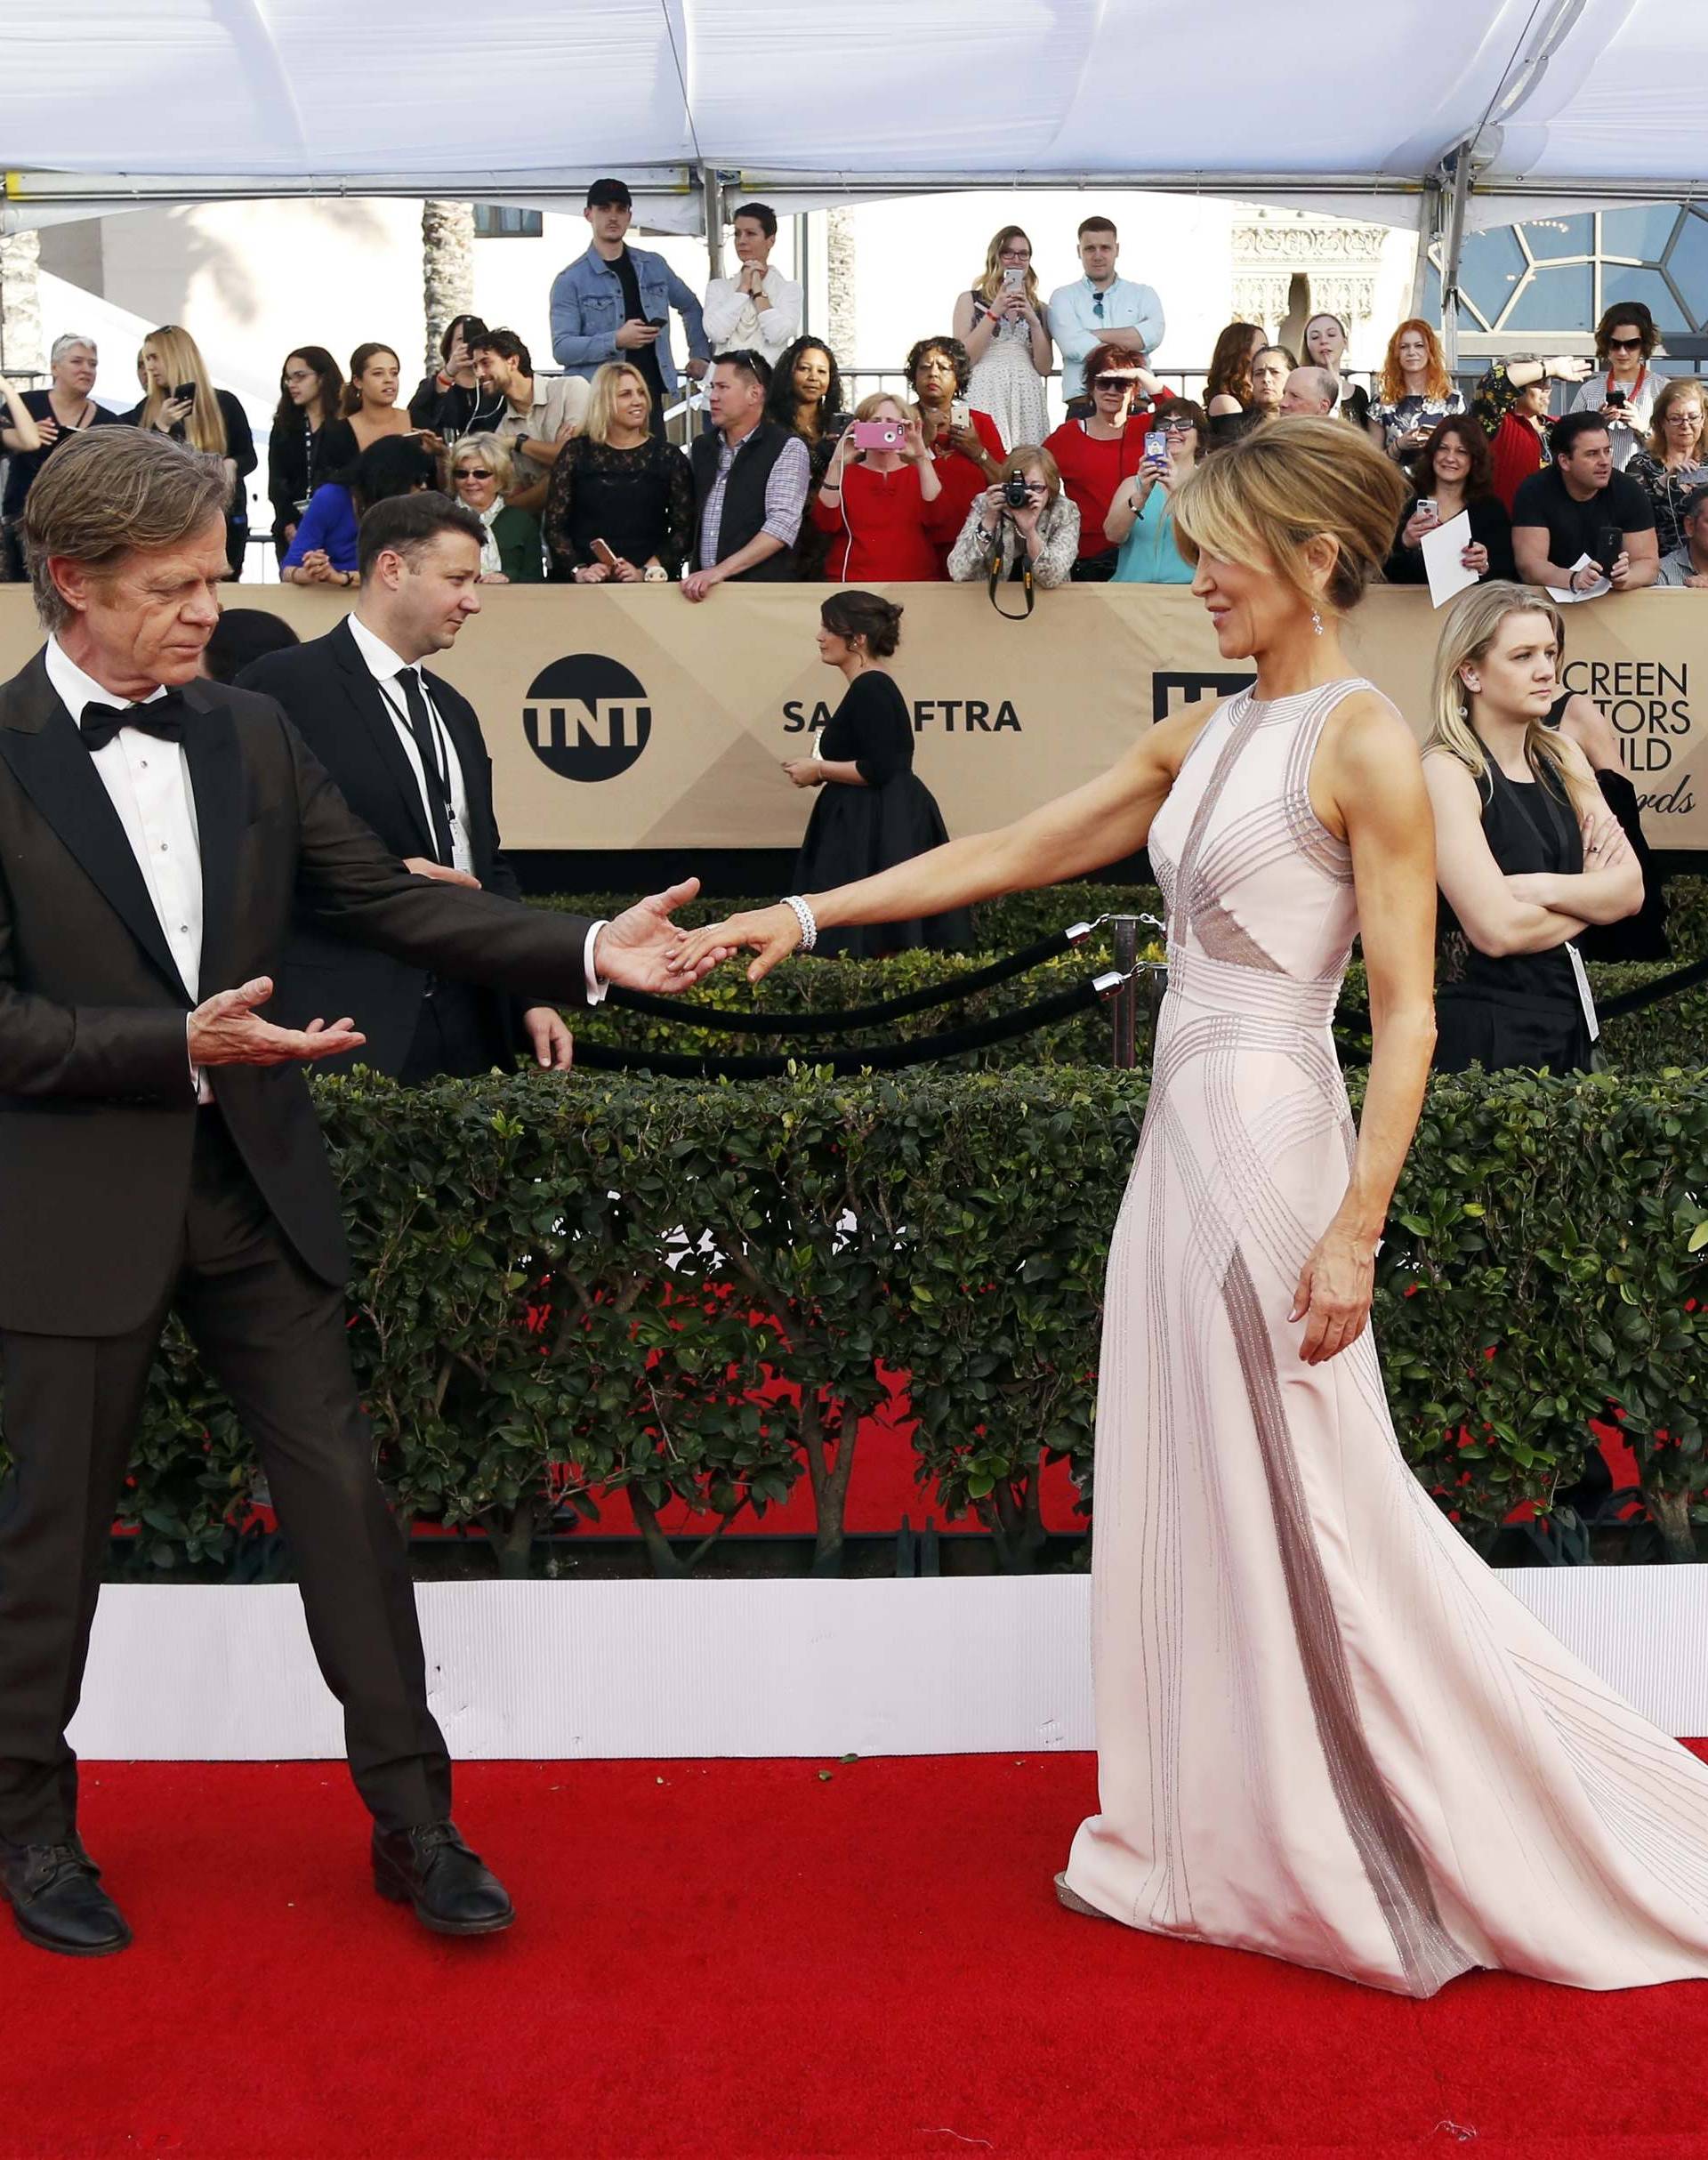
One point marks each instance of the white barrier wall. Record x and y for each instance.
(547, 1669)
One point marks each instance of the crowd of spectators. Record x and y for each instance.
(953, 474)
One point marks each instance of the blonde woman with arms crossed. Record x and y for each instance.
(1325, 1731)
(1528, 854)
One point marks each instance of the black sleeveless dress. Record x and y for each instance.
(1519, 1009)
(1642, 936)
(856, 832)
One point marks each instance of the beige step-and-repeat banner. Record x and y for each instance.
(632, 718)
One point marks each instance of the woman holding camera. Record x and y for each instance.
(1140, 523)
(880, 503)
(1003, 324)
(1455, 472)
(1024, 524)
(872, 810)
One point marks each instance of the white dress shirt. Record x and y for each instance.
(385, 666)
(147, 782)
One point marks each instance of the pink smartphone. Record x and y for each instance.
(604, 553)
(879, 434)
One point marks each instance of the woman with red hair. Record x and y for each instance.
(1095, 455)
(1413, 392)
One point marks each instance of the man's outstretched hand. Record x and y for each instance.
(636, 949)
(225, 1030)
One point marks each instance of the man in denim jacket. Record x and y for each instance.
(613, 304)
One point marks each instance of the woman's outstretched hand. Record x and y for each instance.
(771, 932)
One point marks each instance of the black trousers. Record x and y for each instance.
(273, 1336)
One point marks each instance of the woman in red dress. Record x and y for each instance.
(883, 509)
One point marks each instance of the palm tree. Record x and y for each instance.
(447, 268)
(21, 305)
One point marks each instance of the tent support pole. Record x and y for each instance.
(1429, 231)
(1452, 252)
(713, 184)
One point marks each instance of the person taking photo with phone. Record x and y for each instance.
(182, 403)
(881, 501)
(1141, 521)
(1624, 387)
(1579, 507)
(965, 444)
(1003, 325)
(1024, 526)
(1095, 455)
(1454, 473)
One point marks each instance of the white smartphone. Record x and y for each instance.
(960, 413)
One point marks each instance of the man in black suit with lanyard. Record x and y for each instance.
(158, 1154)
(405, 751)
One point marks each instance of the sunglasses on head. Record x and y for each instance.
(1625, 344)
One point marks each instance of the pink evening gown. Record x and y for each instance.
(1325, 1730)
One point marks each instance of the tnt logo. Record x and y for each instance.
(587, 717)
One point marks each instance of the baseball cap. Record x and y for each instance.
(604, 193)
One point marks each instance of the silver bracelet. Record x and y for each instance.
(804, 916)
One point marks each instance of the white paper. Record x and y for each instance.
(1567, 598)
(1586, 996)
(1442, 548)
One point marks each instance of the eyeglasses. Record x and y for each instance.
(301, 375)
(1625, 344)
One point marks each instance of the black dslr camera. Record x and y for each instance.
(1014, 492)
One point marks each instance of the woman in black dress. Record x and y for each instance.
(619, 482)
(207, 419)
(873, 811)
(1528, 854)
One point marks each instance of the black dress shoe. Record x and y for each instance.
(430, 1868)
(56, 1895)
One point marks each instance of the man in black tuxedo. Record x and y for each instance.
(406, 752)
(159, 1153)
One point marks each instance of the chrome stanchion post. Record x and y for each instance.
(1123, 1007)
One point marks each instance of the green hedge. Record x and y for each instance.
(567, 1288)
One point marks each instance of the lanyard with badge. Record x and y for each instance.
(433, 746)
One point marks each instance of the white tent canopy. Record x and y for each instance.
(103, 104)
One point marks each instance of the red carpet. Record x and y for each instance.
(747, 1958)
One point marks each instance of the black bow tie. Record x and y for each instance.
(162, 716)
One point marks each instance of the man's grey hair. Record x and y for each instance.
(63, 344)
(111, 490)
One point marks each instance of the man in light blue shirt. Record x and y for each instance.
(1100, 309)
(613, 304)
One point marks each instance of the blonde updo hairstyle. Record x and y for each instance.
(1296, 480)
(1471, 626)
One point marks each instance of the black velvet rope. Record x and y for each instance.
(845, 1021)
(1650, 992)
(880, 1057)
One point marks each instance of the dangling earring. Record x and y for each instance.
(1315, 622)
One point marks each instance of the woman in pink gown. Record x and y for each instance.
(1325, 1731)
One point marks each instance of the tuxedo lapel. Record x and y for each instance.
(40, 743)
(376, 716)
(215, 765)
